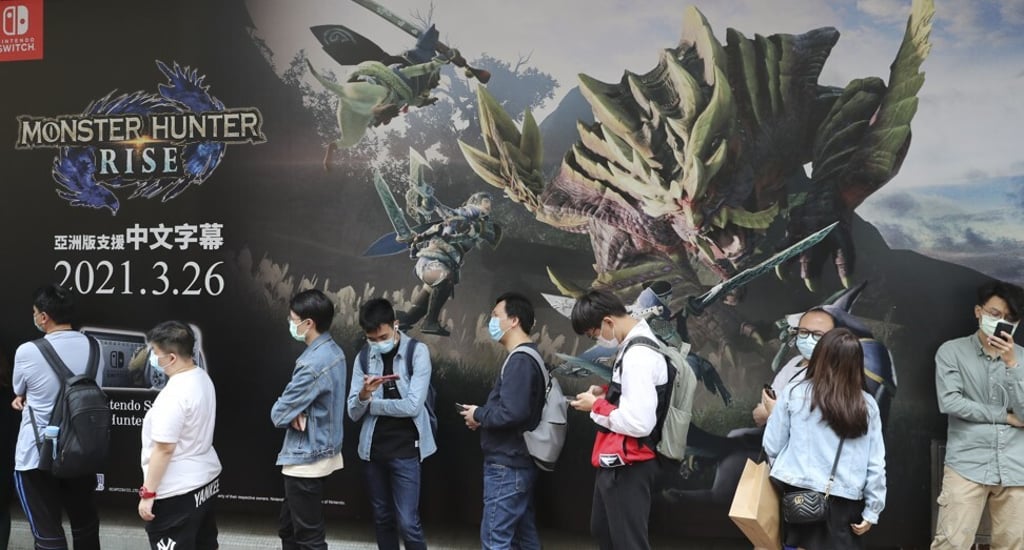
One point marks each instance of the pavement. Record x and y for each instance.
(124, 531)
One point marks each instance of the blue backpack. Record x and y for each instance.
(431, 392)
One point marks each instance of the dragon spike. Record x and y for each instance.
(639, 90)
(744, 218)
(697, 29)
(691, 97)
(716, 121)
(742, 48)
(484, 165)
(532, 145)
(606, 110)
(497, 125)
(567, 288)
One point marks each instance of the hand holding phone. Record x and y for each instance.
(769, 391)
(389, 377)
(1002, 327)
(460, 407)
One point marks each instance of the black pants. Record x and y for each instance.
(301, 523)
(44, 497)
(185, 522)
(622, 506)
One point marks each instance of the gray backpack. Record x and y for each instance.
(545, 442)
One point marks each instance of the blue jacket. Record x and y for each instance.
(411, 405)
(513, 407)
(316, 388)
(802, 448)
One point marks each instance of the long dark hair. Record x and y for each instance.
(836, 374)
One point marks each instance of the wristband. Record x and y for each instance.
(145, 493)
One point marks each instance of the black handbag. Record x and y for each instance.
(803, 507)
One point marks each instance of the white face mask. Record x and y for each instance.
(988, 325)
(612, 342)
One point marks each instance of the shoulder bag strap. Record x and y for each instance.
(835, 464)
(409, 351)
(53, 359)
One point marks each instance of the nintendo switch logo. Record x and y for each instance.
(15, 20)
(21, 30)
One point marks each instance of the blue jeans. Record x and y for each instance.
(508, 519)
(394, 487)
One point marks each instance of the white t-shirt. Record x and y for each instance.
(183, 413)
(34, 379)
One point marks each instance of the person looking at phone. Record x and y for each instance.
(311, 410)
(513, 407)
(813, 325)
(390, 383)
(980, 386)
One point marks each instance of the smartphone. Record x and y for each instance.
(1004, 327)
(389, 377)
(768, 390)
(460, 407)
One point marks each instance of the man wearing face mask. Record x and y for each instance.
(629, 413)
(513, 407)
(311, 410)
(980, 386)
(391, 380)
(36, 387)
(814, 323)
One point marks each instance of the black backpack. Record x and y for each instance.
(81, 412)
(431, 392)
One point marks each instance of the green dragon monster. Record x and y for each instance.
(695, 169)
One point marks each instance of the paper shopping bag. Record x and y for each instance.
(755, 507)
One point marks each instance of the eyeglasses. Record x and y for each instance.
(803, 334)
(994, 313)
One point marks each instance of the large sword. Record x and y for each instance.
(695, 305)
(412, 30)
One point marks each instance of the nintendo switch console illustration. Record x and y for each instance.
(124, 359)
(14, 20)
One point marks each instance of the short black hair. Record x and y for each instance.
(374, 313)
(315, 305)
(173, 337)
(1012, 294)
(55, 301)
(518, 306)
(594, 306)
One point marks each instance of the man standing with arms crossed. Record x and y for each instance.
(312, 411)
(980, 385)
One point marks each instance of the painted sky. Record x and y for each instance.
(970, 118)
(966, 135)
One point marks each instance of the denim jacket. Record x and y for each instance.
(316, 388)
(802, 448)
(411, 405)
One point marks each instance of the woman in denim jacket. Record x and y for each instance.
(803, 435)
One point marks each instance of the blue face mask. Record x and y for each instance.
(384, 347)
(293, 328)
(806, 346)
(494, 328)
(154, 361)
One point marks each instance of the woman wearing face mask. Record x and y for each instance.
(814, 323)
(179, 464)
(826, 436)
